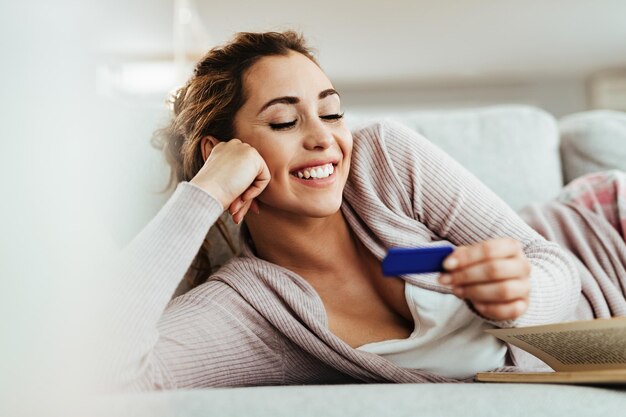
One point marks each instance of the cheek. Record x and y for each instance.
(346, 145)
(277, 160)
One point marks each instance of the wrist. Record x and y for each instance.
(214, 190)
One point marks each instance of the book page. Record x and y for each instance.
(604, 376)
(574, 346)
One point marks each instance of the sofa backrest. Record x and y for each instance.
(513, 149)
(593, 141)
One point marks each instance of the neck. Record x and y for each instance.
(311, 247)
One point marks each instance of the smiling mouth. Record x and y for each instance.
(316, 172)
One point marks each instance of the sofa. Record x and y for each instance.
(523, 154)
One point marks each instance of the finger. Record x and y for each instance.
(464, 256)
(497, 292)
(499, 269)
(238, 217)
(235, 206)
(502, 311)
(264, 172)
(260, 182)
(255, 189)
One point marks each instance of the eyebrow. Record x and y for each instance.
(295, 100)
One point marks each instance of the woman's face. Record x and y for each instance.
(291, 118)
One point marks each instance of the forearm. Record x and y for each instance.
(146, 274)
(455, 205)
(555, 285)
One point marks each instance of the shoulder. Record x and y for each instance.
(212, 292)
(223, 298)
(384, 132)
(378, 173)
(269, 288)
(388, 142)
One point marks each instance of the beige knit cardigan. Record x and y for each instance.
(256, 323)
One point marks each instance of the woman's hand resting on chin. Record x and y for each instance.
(234, 173)
(493, 275)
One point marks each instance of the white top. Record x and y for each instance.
(448, 338)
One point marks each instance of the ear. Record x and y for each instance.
(207, 143)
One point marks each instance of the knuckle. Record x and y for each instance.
(514, 310)
(461, 276)
(488, 310)
(493, 269)
(517, 309)
(488, 249)
(468, 293)
(504, 292)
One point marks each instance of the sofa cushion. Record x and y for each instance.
(366, 400)
(592, 141)
(513, 149)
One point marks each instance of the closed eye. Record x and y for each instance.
(285, 126)
(332, 117)
(282, 126)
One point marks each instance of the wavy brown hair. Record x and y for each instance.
(206, 105)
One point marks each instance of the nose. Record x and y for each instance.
(317, 135)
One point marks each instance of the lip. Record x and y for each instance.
(314, 163)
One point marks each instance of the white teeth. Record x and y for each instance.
(317, 172)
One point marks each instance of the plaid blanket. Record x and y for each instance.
(604, 193)
(588, 220)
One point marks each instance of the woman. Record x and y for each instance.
(258, 130)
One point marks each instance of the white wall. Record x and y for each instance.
(557, 96)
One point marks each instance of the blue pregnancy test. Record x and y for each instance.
(415, 260)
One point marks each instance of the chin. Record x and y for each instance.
(320, 212)
(317, 208)
(309, 207)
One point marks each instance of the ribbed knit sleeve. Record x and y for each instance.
(194, 340)
(458, 207)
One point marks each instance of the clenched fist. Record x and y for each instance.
(234, 173)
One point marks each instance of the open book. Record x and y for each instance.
(580, 352)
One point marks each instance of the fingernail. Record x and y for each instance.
(451, 263)
(445, 279)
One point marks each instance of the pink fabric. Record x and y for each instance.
(604, 193)
(587, 219)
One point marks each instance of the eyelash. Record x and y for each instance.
(285, 126)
